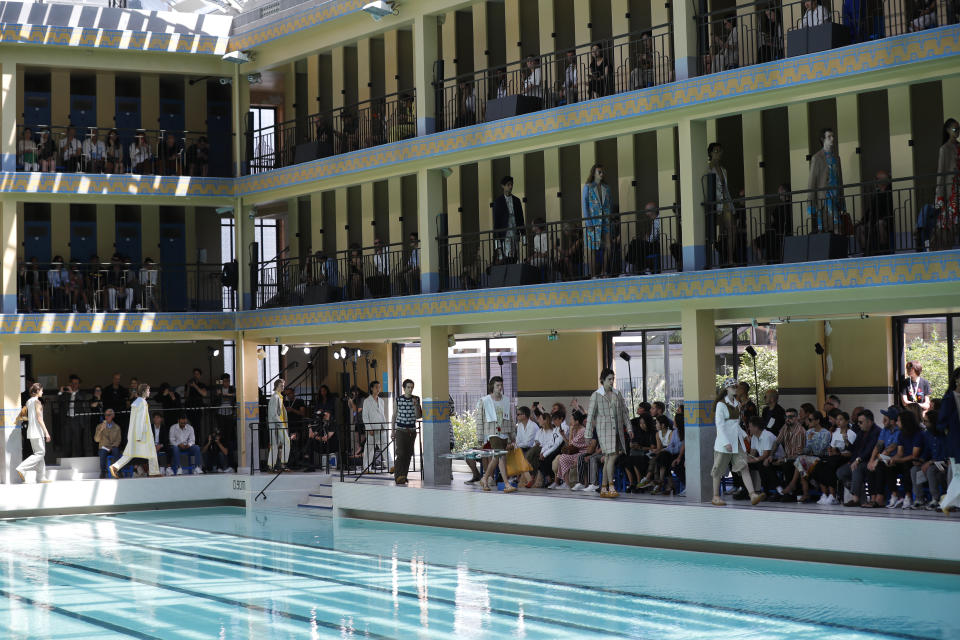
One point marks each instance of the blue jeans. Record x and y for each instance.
(114, 451)
(192, 451)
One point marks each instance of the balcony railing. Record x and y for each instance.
(357, 126)
(92, 150)
(95, 288)
(632, 243)
(756, 32)
(623, 63)
(356, 274)
(864, 219)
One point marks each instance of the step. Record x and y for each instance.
(317, 502)
(85, 464)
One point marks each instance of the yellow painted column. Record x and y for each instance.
(395, 200)
(292, 226)
(684, 36)
(313, 85)
(485, 194)
(711, 130)
(391, 56)
(666, 167)
(692, 150)
(338, 57)
(343, 219)
(588, 157)
(195, 111)
(480, 38)
(848, 136)
(449, 35)
(10, 442)
(316, 222)
(59, 97)
(150, 102)
(190, 224)
(243, 231)
(106, 100)
(454, 195)
(950, 89)
(8, 117)
(429, 204)
(367, 207)
(551, 184)
(60, 229)
(901, 153)
(798, 132)
(424, 55)
(625, 169)
(619, 10)
(581, 21)
(248, 400)
(363, 70)
(150, 231)
(11, 235)
(107, 231)
(514, 45)
(752, 153)
(699, 393)
(436, 404)
(547, 27)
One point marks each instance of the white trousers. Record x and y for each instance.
(35, 462)
(127, 298)
(279, 451)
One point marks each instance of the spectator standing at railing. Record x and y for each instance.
(195, 397)
(948, 185)
(141, 156)
(724, 220)
(198, 158)
(71, 151)
(571, 77)
(601, 73)
(171, 154)
(57, 278)
(826, 186)
(466, 104)
(94, 152)
(226, 399)
(508, 224)
(377, 429)
(411, 271)
(771, 35)
(731, 44)
(595, 207)
(27, 149)
(408, 411)
(148, 279)
(47, 152)
(115, 397)
(113, 153)
(533, 83)
(815, 15)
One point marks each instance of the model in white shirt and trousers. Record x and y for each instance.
(729, 446)
(38, 436)
(377, 428)
(279, 451)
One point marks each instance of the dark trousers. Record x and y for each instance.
(114, 451)
(404, 439)
(546, 465)
(76, 436)
(768, 475)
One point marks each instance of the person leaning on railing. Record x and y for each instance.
(409, 410)
(27, 149)
(113, 153)
(47, 152)
(948, 185)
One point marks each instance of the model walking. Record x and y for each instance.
(38, 436)
(279, 451)
(609, 418)
(729, 450)
(140, 438)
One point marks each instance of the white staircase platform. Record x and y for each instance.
(321, 497)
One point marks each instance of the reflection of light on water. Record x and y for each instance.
(521, 626)
(314, 627)
(419, 570)
(472, 609)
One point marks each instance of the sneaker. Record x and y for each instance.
(780, 490)
(644, 483)
(591, 487)
(907, 503)
(894, 502)
(552, 485)
(473, 480)
(230, 470)
(832, 500)
(197, 471)
(933, 505)
(682, 494)
(176, 472)
(824, 498)
(577, 487)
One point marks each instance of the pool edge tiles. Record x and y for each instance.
(838, 538)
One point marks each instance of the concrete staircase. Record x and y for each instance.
(321, 497)
(74, 469)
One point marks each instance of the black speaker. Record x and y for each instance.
(513, 275)
(319, 294)
(826, 246)
(795, 249)
(308, 151)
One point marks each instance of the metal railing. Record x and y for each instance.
(623, 63)
(96, 287)
(619, 244)
(68, 149)
(357, 126)
(872, 218)
(372, 450)
(756, 32)
(355, 274)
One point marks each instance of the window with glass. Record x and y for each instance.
(932, 341)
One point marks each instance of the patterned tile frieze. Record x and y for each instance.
(291, 24)
(106, 323)
(838, 63)
(115, 185)
(112, 39)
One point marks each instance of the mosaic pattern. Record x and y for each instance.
(115, 185)
(105, 323)
(698, 413)
(286, 26)
(112, 39)
(821, 276)
(251, 411)
(7, 417)
(913, 48)
(436, 411)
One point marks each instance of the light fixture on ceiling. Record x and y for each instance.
(284, 349)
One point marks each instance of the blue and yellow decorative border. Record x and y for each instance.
(835, 64)
(297, 22)
(115, 185)
(121, 40)
(115, 323)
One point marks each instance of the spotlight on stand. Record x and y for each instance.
(306, 350)
(284, 349)
(818, 348)
(336, 355)
(500, 362)
(343, 353)
(756, 376)
(626, 358)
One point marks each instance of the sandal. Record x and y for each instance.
(718, 502)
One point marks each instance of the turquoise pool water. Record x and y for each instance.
(231, 574)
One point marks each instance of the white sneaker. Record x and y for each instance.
(230, 470)
(168, 471)
(577, 487)
(832, 500)
(176, 472)
(894, 502)
(553, 485)
(591, 487)
(907, 503)
(823, 499)
(197, 471)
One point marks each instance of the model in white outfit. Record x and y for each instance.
(140, 437)
(279, 451)
(38, 436)
(377, 427)
(729, 447)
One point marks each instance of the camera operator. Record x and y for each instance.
(226, 399)
(217, 452)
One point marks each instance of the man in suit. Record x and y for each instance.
(508, 224)
(161, 439)
(75, 426)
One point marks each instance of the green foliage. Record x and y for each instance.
(932, 355)
(766, 371)
(464, 430)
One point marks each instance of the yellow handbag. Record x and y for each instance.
(516, 463)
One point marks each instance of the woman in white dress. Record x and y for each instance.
(279, 451)
(37, 434)
(729, 447)
(140, 439)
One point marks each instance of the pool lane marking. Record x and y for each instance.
(573, 585)
(206, 596)
(103, 624)
(512, 615)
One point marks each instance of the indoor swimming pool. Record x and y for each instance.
(232, 574)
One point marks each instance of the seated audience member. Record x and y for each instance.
(198, 158)
(171, 156)
(550, 439)
(762, 448)
(930, 470)
(588, 466)
(881, 456)
(183, 443)
(909, 446)
(838, 453)
(814, 14)
(113, 153)
(526, 440)
(141, 156)
(636, 461)
(792, 438)
(47, 152)
(216, 453)
(540, 257)
(668, 448)
(772, 414)
(107, 437)
(324, 436)
(576, 443)
(57, 279)
(853, 475)
(27, 149)
(161, 438)
(71, 151)
(658, 409)
(818, 441)
(94, 152)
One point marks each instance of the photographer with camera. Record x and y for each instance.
(217, 452)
